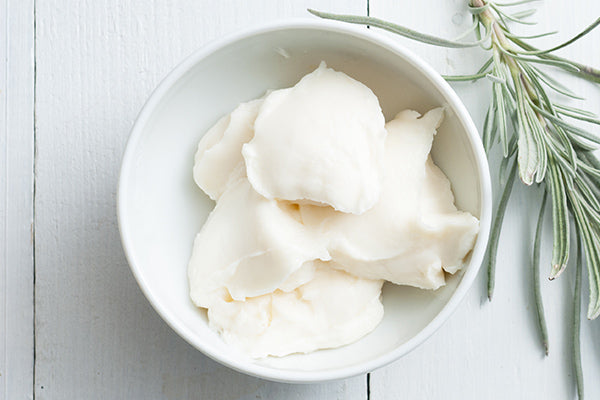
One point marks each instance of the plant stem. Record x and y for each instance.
(496, 228)
(576, 331)
(539, 305)
(585, 71)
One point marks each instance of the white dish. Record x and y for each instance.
(160, 209)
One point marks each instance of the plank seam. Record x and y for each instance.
(368, 373)
(5, 272)
(34, 166)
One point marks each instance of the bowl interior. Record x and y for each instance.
(161, 209)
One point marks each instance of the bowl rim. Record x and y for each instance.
(483, 174)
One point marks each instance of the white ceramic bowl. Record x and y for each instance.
(160, 209)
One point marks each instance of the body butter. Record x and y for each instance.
(319, 203)
(319, 142)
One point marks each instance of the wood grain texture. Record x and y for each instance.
(96, 335)
(16, 198)
(491, 350)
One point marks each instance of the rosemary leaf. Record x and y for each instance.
(538, 134)
(570, 155)
(512, 146)
(567, 126)
(458, 78)
(575, 110)
(574, 140)
(467, 32)
(591, 171)
(515, 3)
(590, 207)
(591, 243)
(576, 324)
(592, 120)
(510, 35)
(593, 186)
(492, 249)
(539, 305)
(585, 72)
(563, 64)
(485, 65)
(581, 34)
(527, 156)
(592, 163)
(560, 221)
(592, 160)
(554, 84)
(400, 30)
(488, 127)
(501, 116)
(513, 18)
(495, 79)
(478, 75)
(524, 14)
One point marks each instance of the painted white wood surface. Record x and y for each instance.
(16, 198)
(96, 335)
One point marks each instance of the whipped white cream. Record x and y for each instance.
(414, 232)
(333, 309)
(320, 141)
(218, 160)
(248, 246)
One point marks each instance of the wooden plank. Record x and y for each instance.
(491, 351)
(96, 335)
(16, 199)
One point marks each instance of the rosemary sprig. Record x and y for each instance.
(550, 149)
(537, 131)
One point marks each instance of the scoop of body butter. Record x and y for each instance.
(218, 161)
(319, 142)
(249, 246)
(414, 232)
(333, 309)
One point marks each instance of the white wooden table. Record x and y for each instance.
(73, 323)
